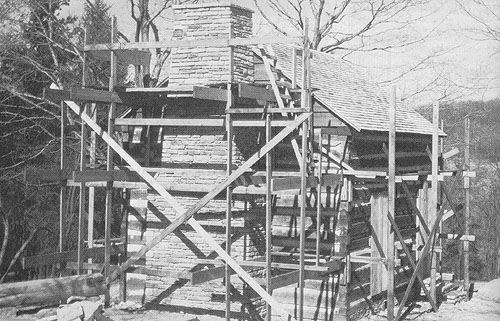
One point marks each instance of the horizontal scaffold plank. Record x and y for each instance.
(457, 237)
(293, 182)
(84, 94)
(105, 176)
(330, 266)
(266, 110)
(280, 184)
(279, 281)
(46, 175)
(398, 155)
(210, 93)
(127, 97)
(295, 211)
(341, 130)
(126, 57)
(199, 43)
(61, 257)
(371, 260)
(294, 243)
(126, 185)
(292, 277)
(196, 122)
(137, 269)
(254, 92)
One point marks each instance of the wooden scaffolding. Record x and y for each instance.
(311, 179)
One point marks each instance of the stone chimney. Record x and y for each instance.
(202, 65)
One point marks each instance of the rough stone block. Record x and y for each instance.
(70, 312)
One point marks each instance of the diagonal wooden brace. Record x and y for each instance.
(425, 252)
(412, 262)
(374, 235)
(414, 207)
(186, 215)
(407, 194)
(281, 105)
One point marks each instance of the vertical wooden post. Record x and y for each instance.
(467, 206)
(269, 217)
(109, 167)
(303, 173)
(391, 205)
(228, 201)
(434, 192)
(229, 194)
(303, 194)
(81, 212)
(294, 67)
(83, 165)
(63, 188)
(93, 137)
(423, 237)
(440, 193)
(90, 224)
(318, 208)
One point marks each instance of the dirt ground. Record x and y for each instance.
(484, 306)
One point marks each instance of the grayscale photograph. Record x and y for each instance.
(250, 160)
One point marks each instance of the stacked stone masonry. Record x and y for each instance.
(204, 66)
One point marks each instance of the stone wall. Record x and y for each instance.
(203, 66)
(193, 163)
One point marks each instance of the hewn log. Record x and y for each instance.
(50, 291)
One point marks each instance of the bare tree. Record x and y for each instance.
(486, 13)
(38, 48)
(341, 24)
(144, 14)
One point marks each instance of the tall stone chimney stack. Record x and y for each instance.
(202, 65)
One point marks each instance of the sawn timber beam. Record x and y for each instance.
(46, 175)
(61, 257)
(199, 43)
(105, 176)
(186, 215)
(126, 97)
(197, 122)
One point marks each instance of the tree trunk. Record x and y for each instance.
(50, 291)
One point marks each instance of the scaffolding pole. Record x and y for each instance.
(391, 204)
(269, 217)
(63, 188)
(434, 193)
(110, 167)
(467, 206)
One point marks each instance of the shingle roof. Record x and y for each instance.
(344, 90)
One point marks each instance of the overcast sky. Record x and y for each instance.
(451, 60)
